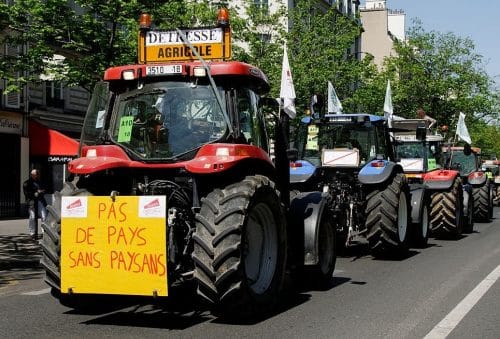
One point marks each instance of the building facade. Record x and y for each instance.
(34, 123)
(381, 28)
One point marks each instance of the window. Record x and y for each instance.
(54, 94)
(251, 122)
(262, 3)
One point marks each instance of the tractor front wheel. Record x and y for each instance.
(422, 230)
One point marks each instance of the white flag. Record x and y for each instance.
(287, 91)
(462, 131)
(334, 104)
(388, 110)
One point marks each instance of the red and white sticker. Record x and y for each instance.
(152, 206)
(74, 207)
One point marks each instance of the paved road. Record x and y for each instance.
(440, 288)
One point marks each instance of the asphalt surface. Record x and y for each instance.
(17, 249)
(368, 298)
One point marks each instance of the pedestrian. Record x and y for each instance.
(422, 115)
(34, 194)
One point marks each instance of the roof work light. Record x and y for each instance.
(223, 17)
(145, 21)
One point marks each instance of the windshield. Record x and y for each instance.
(317, 138)
(95, 117)
(410, 150)
(466, 163)
(167, 119)
(419, 150)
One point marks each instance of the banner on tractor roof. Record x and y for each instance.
(462, 131)
(164, 46)
(114, 246)
(334, 104)
(287, 90)
(388, 109)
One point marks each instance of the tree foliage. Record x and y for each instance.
(320, 41)
(437, 71)
(441, 73)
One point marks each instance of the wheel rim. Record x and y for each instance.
(326, 243)
(402, 218)
(260, 248)
(425, 222)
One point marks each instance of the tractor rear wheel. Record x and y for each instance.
(51, 246)
(446, 211)
(240, 247)
(481, 202)
(387, 218)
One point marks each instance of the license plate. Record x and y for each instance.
(163, 70)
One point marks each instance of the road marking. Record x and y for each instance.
(39, 292)
(444, 328)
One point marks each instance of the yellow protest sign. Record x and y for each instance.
(114, 247)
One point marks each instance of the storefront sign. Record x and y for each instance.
(59, 159)
(11, 122)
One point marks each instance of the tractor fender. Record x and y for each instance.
(378, 172)
(467, 193)
(477, 178)
(301, 171)
(306, 211)
(417, 203)
(440, 179)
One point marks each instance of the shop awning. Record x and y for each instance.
(48, 142)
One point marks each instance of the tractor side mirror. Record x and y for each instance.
(467, 149)
(421, 132)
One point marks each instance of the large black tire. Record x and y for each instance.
(51, 246)
(388, 218)
(240, 248)
(482, 198)
(421, 231)
(446, 211)
(492, 199)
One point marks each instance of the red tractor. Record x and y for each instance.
(419, 152)
(174, 185)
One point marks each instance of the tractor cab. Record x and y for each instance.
(417, 150)
(339, 141)
(170, 114)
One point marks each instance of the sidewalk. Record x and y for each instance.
(17, 249)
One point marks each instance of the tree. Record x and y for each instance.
(441, 73)
(92, 35)
(320, 41)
